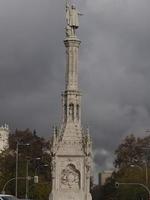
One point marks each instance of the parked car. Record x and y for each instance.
(7, 197)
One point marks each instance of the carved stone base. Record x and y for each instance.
(69, 196)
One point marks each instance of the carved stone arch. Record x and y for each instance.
(70, 178)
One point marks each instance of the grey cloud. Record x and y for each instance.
(114, 68)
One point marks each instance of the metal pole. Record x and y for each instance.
(27, 179)
(146, 173)
(16, 188)
(3, 191)
(36, 170)
(140, 184)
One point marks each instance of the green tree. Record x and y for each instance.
(132, 151)
(38, 148)
(130, 167)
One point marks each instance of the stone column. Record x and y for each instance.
(72, 48)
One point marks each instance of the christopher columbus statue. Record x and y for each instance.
(72, 19)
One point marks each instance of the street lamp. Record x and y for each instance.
(140, 184)
(17, 151)
(146, 170)
(27, 175)
(10, 180)
(135, 165)
(42, 165)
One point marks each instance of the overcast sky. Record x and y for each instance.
(114, 68)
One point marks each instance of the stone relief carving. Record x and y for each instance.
(87, 144)
(53, 167)
(88, 166)
(70, 178)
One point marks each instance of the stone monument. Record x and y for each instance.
(71, 146)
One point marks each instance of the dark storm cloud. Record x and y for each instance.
(115, 71)
(114, 68)
(30, 69)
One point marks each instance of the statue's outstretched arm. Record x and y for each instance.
(67, 5)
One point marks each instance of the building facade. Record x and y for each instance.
(71, 146)
(104, 176)
(4, 134)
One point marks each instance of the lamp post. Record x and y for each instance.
(42, 165)
(10, 180)
(17, 151)
(27, 175)
(146, 173)
(146, 170)
(27, 179)
(140, 184)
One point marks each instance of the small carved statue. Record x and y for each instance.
(53, 167)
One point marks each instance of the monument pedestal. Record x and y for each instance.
(70, 196)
